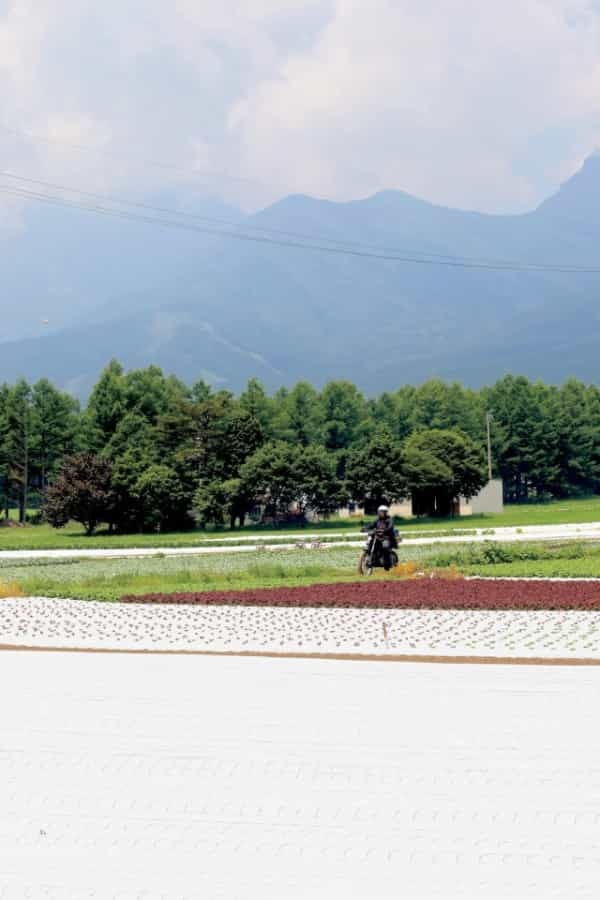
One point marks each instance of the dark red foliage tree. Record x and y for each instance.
(82, 491)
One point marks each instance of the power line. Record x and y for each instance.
(478, 262)
(342, 251)
(363, 249)
(105, 199)
(251, 225)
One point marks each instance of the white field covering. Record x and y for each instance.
(43, 622)
(179, 778)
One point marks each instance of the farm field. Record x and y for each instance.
(585, 510)
(296, 778)
(452, 617)
(360, 632)
(110, 578)
(346, 770)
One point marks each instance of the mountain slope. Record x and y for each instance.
(65, 265)
(242, 308)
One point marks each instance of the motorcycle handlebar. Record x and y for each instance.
(371, 531)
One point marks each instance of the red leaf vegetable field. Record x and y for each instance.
(429, 593)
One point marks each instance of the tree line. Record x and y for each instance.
(150, 452)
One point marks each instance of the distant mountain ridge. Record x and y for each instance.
(227, 309)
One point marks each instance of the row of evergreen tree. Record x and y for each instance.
(173, 450)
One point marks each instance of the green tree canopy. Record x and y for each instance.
(440, 467)
(255, 401)
(270, 476)
(375, 472)
(105, 407)
(299, 418)
(282, 476)
(345, 415)
(161, 499)
(524, 436)
(204, 447)
(55, 428)
(318, 488)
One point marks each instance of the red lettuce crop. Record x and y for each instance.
(430, 593)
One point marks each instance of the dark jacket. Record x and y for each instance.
(385, 529)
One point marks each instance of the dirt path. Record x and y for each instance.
(351, 657)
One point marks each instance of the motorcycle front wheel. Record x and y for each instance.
(365, 564)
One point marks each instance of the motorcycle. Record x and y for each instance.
(372, 553)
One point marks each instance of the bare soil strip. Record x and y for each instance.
(349, 657)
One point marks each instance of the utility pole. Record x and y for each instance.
(488, 419)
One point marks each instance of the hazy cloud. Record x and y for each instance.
(466, 103)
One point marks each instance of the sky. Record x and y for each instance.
(482, 105)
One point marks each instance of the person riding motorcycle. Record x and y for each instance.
(387, 536)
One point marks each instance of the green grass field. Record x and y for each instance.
(109, 579)
(43, 537)
(540, 568)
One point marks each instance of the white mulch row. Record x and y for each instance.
(43, 622)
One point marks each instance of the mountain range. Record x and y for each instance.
(201, 304)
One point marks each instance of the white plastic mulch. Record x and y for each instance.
(184, 777)
(43, 622)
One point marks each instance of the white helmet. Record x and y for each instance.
(383, 508)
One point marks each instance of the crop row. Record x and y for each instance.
(430, 593)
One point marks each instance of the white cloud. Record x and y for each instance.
(437, 99)
(473, 104)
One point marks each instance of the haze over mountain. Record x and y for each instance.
(224, 309)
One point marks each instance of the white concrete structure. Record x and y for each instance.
(179, 778)
(489, 500)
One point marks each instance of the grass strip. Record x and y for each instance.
(558, 512)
